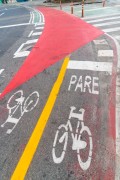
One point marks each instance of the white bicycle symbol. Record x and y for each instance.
(78, 143)
(18, 105)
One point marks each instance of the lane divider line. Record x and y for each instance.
(31, 147)
(31, 15)
(15, 25)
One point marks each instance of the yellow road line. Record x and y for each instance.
(31, 147)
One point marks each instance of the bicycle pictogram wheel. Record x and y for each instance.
(31, 101)
(12, 102)
(60, 140)
(85, 164)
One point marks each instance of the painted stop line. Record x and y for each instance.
(62, 35)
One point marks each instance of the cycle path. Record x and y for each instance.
(82, 89)
(85, 91)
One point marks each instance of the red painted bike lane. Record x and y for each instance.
(62, 35)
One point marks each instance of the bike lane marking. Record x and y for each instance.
(31, 147)
(12, 119)
(90, 89)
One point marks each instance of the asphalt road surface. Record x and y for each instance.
(60, 123)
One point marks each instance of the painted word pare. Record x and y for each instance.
(84, 84)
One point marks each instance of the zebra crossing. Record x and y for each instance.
(109, 24)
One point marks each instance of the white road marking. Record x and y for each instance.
(104, 19)
(2, 14)
(1, 70)
(31, 17)
(4, 9)
(86, 84)
(23, 51)
(96, 9)
(117, 5)
(43, 17)
(40, 23)
(39, 28)
(31, 41)
(30, 34)
(90, 65)
(105, 53)
(100, 41)
(40, 17)
(117, 37)
(23, 105)
(20, 52)
(111, 29)
(14, 8)
(36, 33)
(14, 25)
(77, 143)
(105, 16)
(107, 23)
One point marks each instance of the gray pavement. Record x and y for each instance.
(90, 90)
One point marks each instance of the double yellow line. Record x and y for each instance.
(31, 147)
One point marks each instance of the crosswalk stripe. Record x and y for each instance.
(100, 16)
(103, 19)
(111, 29)
(36, 33)
(100, 22)
(97, 9)
(39, 28)
(107, 23)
